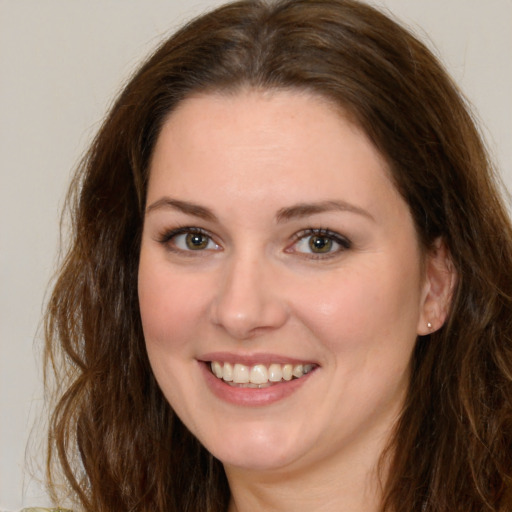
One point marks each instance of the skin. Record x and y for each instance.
(257, 288)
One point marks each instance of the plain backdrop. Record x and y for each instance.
(61, 64)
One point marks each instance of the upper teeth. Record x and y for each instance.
(259, 373)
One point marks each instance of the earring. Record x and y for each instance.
(429, 325)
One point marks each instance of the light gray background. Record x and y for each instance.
(61, 64)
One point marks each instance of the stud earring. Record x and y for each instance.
(429, 325)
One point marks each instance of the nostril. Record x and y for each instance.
(248, 321)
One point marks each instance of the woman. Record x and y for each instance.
(289, 285)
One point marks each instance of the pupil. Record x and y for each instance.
(196, 241)
(320, 244)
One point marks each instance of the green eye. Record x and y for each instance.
(196, 241)
(189, 240)
(320, 244)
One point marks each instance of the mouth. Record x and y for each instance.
(258, 376)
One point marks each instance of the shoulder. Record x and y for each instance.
(39, 509)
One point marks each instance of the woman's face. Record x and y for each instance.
(275, 244)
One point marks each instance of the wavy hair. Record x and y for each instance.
(117, 441)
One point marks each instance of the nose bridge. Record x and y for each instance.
(248, 300)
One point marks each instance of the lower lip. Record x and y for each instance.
(251, 397)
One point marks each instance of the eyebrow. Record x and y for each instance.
(305, 209)
(182, 206)
(296, 211)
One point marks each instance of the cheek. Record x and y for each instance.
(358, 310)
(170, 306)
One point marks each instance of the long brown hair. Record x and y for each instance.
(118, 442)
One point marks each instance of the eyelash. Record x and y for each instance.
(344, 243)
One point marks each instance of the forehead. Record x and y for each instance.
(271, 127)
(257, 151)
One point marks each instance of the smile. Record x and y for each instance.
(259, 375)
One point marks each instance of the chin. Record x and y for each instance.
(256, 449)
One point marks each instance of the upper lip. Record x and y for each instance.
(252, 359)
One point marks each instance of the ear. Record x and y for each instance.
(438, 286)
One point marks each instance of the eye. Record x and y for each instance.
(189, 239)
(319, 242)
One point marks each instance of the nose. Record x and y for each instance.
(248, 301)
